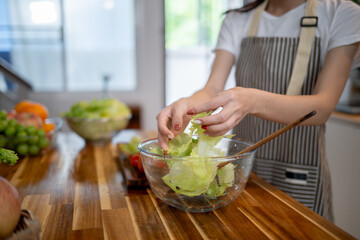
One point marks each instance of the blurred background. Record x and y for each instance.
(147, 54)
(71, 50)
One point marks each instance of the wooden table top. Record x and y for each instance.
(352, 118)
(76, 192)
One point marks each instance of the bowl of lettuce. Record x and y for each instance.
(99, 120)
(190, 176)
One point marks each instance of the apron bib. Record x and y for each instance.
(294, 162)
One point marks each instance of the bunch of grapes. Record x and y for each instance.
(23, 140)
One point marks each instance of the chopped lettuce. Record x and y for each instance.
(99, 108)
(190, 178)
(197, 175)
(131, 147)
(157, 150)
(224, 179)
(8, 156)
(180, 146)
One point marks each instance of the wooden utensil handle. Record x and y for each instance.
(272, 136)
(278, 132)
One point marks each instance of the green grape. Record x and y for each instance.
(21, 137)
(31, 130)
(41, 133)
(3, 141)
(12, 122)
(20, 128)
(10, 131)
(33, 149)
(22, 149)
(11, 145)
(33, 139)
(3, 125)
(43, 142)
(3, 115)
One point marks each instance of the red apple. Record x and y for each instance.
(11, 114)
(9, 208)
(29, 119)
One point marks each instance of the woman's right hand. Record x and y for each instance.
(173, 120)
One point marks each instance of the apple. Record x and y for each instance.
(29, 119)
(11, 114)
(10, 208)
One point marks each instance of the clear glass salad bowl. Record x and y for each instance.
(198, 184)
(97, 130)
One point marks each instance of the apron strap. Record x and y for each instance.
(308, 28)
(256, 19)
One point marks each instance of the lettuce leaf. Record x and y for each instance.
(132, 146)
(8, 156)
(99, 108)
(224, 179)
(191, 177)
(196, 174)
(180, 146)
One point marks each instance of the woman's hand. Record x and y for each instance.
(236, 102)
(172, 120)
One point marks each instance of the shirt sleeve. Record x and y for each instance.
(345, 28)
(226, 36)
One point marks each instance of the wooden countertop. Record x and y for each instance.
(76, 192)
(352, 118)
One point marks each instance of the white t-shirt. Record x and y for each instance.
(338, 25)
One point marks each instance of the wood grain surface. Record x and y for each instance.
(77, 192)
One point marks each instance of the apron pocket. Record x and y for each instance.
(298, 181)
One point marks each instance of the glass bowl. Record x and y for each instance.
(52, 135)
(238, 170)
(97, 130)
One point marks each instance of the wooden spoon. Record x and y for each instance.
(272, 136)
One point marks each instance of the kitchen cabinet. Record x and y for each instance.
(343, 153)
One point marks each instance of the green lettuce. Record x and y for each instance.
(197, 175)
(224, 179)
(8, 156)
(132, 146)
(99, 108)
(190, 178)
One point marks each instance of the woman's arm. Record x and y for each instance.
(238, 102)
(173, 119)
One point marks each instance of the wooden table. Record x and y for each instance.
(76, 192)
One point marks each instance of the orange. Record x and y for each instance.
(48, 127)
(32, 107)
(22, 104)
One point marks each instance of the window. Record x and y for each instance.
(70, 45)
(191, 31)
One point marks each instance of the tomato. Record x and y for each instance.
(134, 159)
(140, 166)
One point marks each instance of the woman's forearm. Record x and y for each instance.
(285, 109)
(328, 89)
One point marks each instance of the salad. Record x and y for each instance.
(197, 174)
(98, 108)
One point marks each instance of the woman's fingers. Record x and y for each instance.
(215, 127)
(177, 118)
(211, 105)
(163, 140)
(221, 117)
(164, 133)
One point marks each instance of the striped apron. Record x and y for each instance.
(294, 162)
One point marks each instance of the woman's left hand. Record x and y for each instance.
(236, 102)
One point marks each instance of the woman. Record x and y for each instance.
(291, 57)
